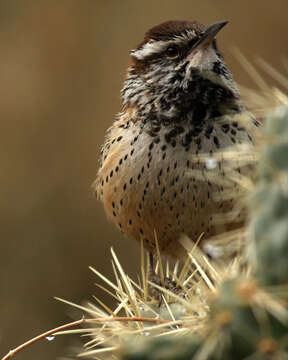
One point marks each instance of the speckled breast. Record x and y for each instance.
(152, 186)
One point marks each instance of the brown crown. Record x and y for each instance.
(169, 29)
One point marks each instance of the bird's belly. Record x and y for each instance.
(162, 192)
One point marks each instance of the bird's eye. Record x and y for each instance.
(172, 52)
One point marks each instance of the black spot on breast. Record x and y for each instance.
(209, 131)
(216, 142)
(198, 143)
(225, 128)
(152, 133)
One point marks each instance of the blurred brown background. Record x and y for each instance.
(62, 63)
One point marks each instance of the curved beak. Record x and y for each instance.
(208, 36)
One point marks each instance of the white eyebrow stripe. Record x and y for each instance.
(150, 48)
(156, 47)
(188, 35)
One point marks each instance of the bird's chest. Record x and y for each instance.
(162, 180)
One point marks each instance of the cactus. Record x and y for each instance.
(269, 226)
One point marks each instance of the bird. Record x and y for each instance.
(179, 102)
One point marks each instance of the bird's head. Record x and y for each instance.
(177, 64)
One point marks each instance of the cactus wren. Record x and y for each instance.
(179, 101)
